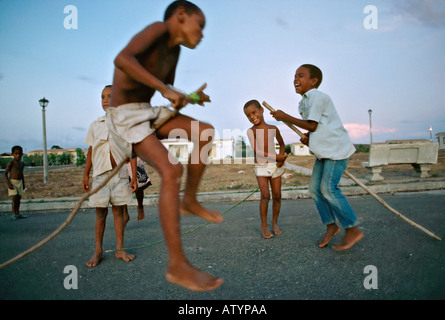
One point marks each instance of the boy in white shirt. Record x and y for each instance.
(116, 191)
(329, 142)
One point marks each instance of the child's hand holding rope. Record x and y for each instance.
(198, 97)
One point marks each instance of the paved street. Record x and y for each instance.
(408, 263)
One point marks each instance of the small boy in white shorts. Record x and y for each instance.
(270, 170)
(116, 191)
(268, 165)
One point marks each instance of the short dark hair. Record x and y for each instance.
(189, 8)
(254, 102)
(107, 86)
(16, 148)
(314, 72)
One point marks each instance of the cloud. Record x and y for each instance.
(427, 12)
(79, 129)
(359, 130)
(87, 79)
(281, 22)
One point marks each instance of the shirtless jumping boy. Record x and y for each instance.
(147, 64)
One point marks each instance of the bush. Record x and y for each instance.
(4, 162)
(80, 157)
(33, 160)
(53, 159)
(361, 148)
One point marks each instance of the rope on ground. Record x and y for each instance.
(186, 232)
(70, 217)
(387, 206)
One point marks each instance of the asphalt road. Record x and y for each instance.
(407, 264)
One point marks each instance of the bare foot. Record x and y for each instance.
(120, 254)
(191, 278)
(276, 229)
(331, 231)
(194, 208)
(351, 237)
(266, 232)
(141, 214)
(95, 260)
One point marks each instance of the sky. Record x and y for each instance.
(390, 60)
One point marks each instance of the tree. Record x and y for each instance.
(80, 157)
(240, 147)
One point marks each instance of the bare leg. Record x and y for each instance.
(118, 214)
(194, 131)
(126, 216)
(16, 205)
(179, 270)
(140, 199)
(276, 204)
(99, 229)
(263, 183)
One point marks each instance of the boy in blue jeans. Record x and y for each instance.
(329, 142)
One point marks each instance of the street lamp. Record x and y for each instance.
(44, 103)
(370, 124)
(431, 133)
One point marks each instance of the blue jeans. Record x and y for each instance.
(330, 201)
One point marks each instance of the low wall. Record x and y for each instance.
(421, 155)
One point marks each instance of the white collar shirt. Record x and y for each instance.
(98, 138)
(330, 140)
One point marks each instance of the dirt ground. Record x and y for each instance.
(67, 182)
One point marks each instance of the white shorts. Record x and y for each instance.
(268, 170)
(131, 123)
(116, 191)
(18, 187)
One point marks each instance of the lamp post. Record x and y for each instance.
(370, 124)
(431, 133)
(44, 103)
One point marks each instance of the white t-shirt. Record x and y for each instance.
(330, 140)
(97, 137)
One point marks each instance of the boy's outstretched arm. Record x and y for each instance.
(308, 125)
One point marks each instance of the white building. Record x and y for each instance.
(181, 149)
(299, 149)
